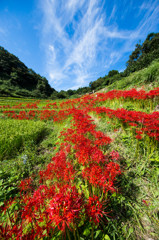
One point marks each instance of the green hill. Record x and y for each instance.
(17, 80)
(147, 77)
(143, 55)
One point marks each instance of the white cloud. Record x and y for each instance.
(84, 51)
(52, 54)
(55, 76)
(112, 15)
(149, 22)
(78, 38)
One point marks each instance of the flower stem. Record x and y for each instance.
(68, 234)
(92, 231)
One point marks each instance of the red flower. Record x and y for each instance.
(95, 209)
(114, 155)
(65, 207)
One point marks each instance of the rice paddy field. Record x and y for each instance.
(84, 168)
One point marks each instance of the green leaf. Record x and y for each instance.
(130, 231)
(86, 232)
(106, 237)
(1, 181)
(154, 159)
(97, 233)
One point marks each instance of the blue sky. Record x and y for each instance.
(73, 42)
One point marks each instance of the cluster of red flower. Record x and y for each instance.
(133, 94)
(76, 184)
(91, 100)
(20, 105)
(147, 123)
(73, 188)
(51, 105)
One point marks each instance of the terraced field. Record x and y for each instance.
(85, 168)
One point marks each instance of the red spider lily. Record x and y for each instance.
(25, 184)
(102, 177)
(113, 169)
(7, 205)
(5, 231)
(148, 122)
(95, 209)
(114, 155)
(56, 202)
(101, 138)
(31, 105)
(138, 137)
(59, 169)
(145, 202)
(65, 207)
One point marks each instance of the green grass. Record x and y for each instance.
(140, 164)
(147, 77)
(15, 134)
(25, 148)
(19, 141)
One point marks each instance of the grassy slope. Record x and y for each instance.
(134, 220)
(141, 169)
(147, 77)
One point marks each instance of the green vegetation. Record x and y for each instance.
(25, 148)
(19, 81)
(136, 208)
(143, 55)
(16, 134)
(147, 77)
(133, 209)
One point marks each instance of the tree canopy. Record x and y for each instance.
(143, 54)
(17, 79)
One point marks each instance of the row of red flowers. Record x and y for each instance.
(73, 189)
(76, 184)
(147, 123)
(91, 100)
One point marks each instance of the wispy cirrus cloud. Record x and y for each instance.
(83, 38)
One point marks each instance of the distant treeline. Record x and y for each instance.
(18, 80)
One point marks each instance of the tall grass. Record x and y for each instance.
(16, 134)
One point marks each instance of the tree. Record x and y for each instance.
(143, 54)
(62, 94)
(112, 73)
(70, 92)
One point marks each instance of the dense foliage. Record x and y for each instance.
(18, 80)
(143, 54)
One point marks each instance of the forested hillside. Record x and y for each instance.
(141, 57)
(18, 80)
